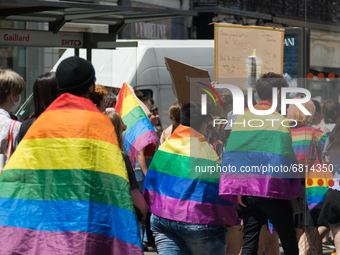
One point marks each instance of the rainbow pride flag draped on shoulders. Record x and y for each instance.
(175, 190)
(252, 153)
(139, 132)
(302, 139)
(65, 189)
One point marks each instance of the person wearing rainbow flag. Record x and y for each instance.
(260, 157)
(60, 193)
(188, 216)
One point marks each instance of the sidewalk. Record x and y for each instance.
(327, 250)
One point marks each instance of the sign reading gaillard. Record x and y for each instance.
(33, 38)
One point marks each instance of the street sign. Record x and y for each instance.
(33, 38)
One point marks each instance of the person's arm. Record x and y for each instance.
(162, 139)
(139, 202)
(142, 162)
(239, 200)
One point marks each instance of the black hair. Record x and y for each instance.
(139, 94)
(82, 91)
(45, 91)
(266, 83)
(191, 115)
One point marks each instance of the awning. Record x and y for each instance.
(59, 13)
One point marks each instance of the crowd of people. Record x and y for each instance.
(69, 186)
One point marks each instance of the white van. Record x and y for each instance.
(143, 67)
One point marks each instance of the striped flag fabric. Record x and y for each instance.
(317, 179)
(176, 190)
(302, 139)
(65, 189)
(139, 132)
(259, 159)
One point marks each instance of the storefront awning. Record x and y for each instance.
(59, 13)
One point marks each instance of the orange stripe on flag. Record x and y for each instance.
(62, 123)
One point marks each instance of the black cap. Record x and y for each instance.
(75, 73)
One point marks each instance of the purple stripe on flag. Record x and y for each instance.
(140, 142)
(315, 206)
(252, 185)
(15, 240)
(191, 211)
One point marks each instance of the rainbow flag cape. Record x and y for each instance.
(302, 139)
(259, 158)
(65, 189)
(176, 190)
(139, 132)
(316, 179)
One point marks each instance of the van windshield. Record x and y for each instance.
(26, 109)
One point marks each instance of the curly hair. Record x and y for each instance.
(99, 93)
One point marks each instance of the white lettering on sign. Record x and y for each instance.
(150, 30)
(289, 42)
(16, 38)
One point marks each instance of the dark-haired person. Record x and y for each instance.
(143, 162)
(45, 91)
(11, 86)
(331, 113)
(68, 197)
(330, 212)
(302, 135)
(188, 217)
(262, 195)
(110, 100)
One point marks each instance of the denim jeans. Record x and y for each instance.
(280, 214)
(181, 238)
(140, 180)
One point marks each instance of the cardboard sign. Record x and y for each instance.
(190, 82)
(245, 52)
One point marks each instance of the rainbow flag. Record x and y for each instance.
(302, 139)
(174, 187)
(139, 132)
(65, 190)
(259, 158)
(316, 181)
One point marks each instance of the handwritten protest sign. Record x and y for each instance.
(190, 82)
(237, 47)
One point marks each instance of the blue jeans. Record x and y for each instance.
(181, 238)
(140, 180)
(139, 174)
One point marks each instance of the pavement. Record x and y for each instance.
(327, 250)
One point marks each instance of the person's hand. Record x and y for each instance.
(213, 83)
(239, 200)
(143, 221)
